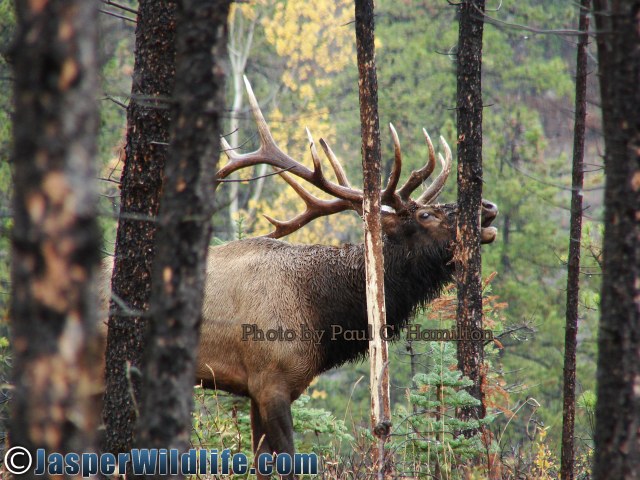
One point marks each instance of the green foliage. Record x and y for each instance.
(7, 26)
(117, 67)
(586, 404)
(416, 78)
(222, 421)
(428, 432)
(320, 430)
(5, 388)
(240, 227)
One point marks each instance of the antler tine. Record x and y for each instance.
(418, 176)
(270, 153)
(316, 207)
(317, 167)
(389, 193)
(263, 129)
(436, 187)
(267, 143)
(228, 150)
(335, 163)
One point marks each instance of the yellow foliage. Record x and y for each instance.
(544, 464)
(315, 40)
(319, 394)
(248, 10)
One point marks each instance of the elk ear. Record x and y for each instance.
(390, 222)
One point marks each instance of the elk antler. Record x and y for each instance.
(417, 177)
(345, 196)
(431, 193)
(316, 207)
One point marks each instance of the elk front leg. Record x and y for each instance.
(273, 417)
(258, 437)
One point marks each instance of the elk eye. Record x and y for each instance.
(425, 215)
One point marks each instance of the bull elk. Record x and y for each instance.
(265, 284)
(262, 284)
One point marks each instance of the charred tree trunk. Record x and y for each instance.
(184, 228)
(467, 255)
(374, 262)
(148, 122)
(617, 435)
(575, 234)
(55, 239)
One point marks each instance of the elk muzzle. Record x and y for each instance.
(488, 213)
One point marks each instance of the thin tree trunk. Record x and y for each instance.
(182, 240)
(240, 40)
(234, 188)
(467, 255)
(413, 363)
(617, 434)
(374, 261)
(55, 238)
(148, 121)
(575, 234)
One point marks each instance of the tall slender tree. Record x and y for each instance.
(241, 29)
(184, 232)
(617, 434)
(55, 239)
(575, 233)
(467, 255)
(374, 262)
(148, 122)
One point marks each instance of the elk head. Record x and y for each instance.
(414, 223)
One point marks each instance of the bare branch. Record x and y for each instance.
(121, 7)
(252, 179)
(122, 17)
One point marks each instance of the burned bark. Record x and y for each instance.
(148, 122)
(575, 233)
(55, 239)
(467, 254)
(617, 434)
(184, 228)
(374, 262)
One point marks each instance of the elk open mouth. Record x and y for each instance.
(488, 213)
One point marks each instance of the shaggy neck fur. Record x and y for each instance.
(337, 291)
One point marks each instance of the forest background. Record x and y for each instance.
(301, 63)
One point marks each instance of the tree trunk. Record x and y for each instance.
(240, 40)
(575, 234)
(617, 435)
(55, 238)
(234, 188)
(148, 121)
(374, 261)
(467, 255)
(184, 232)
